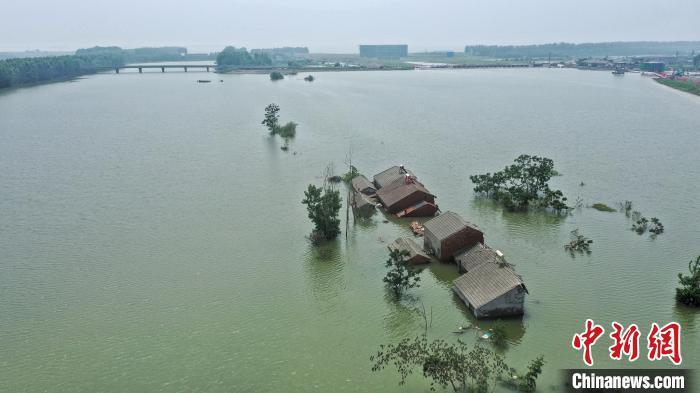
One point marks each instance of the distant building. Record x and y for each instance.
(491, 290)
(384, 51)
(447, 234)
(415, 253)
(652, 66)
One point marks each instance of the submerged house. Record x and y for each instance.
(390, 175)
(448, 234)
(404, 193)
(361, 184)
(491, 290)
(478, 254)
(362, 205)
(415, 253)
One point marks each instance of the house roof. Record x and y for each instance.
(398, 190)
(405, 243)
(360, 200)
(476, 255)
(446, 224)
(383, 178)
(486, 283)
(361, 183)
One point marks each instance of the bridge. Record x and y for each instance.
(163, 67)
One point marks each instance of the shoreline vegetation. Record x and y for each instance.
(687, 86)
(51, 67)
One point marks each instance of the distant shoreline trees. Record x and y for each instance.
(24, 71)
(232, 57)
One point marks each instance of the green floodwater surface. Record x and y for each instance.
(152, 237)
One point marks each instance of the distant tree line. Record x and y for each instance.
(598, 49)
(237, 57)
(17, 72)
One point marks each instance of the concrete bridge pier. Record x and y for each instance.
(116, 70)
(162, 69)
(185, 69)
(140, 70)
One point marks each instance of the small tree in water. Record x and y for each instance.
(400, 278)
(689, 291)
(323, 205)
(272, 117)
(578, 243)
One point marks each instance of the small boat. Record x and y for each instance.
(619, 71)
(486, 336)
(203, 81)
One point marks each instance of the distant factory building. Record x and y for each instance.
(652, 66)
(448, 234)
(384, 51)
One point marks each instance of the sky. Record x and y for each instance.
(338, 26)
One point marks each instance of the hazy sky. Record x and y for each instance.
(338, 26)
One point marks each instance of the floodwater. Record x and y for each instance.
(152, 237)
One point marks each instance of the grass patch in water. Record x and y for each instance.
(603, 207)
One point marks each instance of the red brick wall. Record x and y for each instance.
(410, 200)
(465, 238)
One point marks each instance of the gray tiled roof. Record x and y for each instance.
(398, 190)
(360, 183)
(446, 224)
(405, 243)
(478, 254)
(486, 282)
(383, 178)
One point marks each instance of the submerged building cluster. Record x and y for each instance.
(489, 286)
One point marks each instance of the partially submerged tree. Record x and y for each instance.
(455, 365)
(578, 243)
(288, 130)
(689, 291)
(528, 381)
(498, 334)
(272, 117)
(323, 205)
(522, 184)
(399, 278)
(445, 365)
(656, 226)
(640, 225)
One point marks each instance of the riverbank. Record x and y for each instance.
(687, 86)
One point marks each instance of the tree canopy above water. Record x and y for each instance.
(232, 56)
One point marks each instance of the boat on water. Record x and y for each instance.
(619, 71)
(203, 81)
